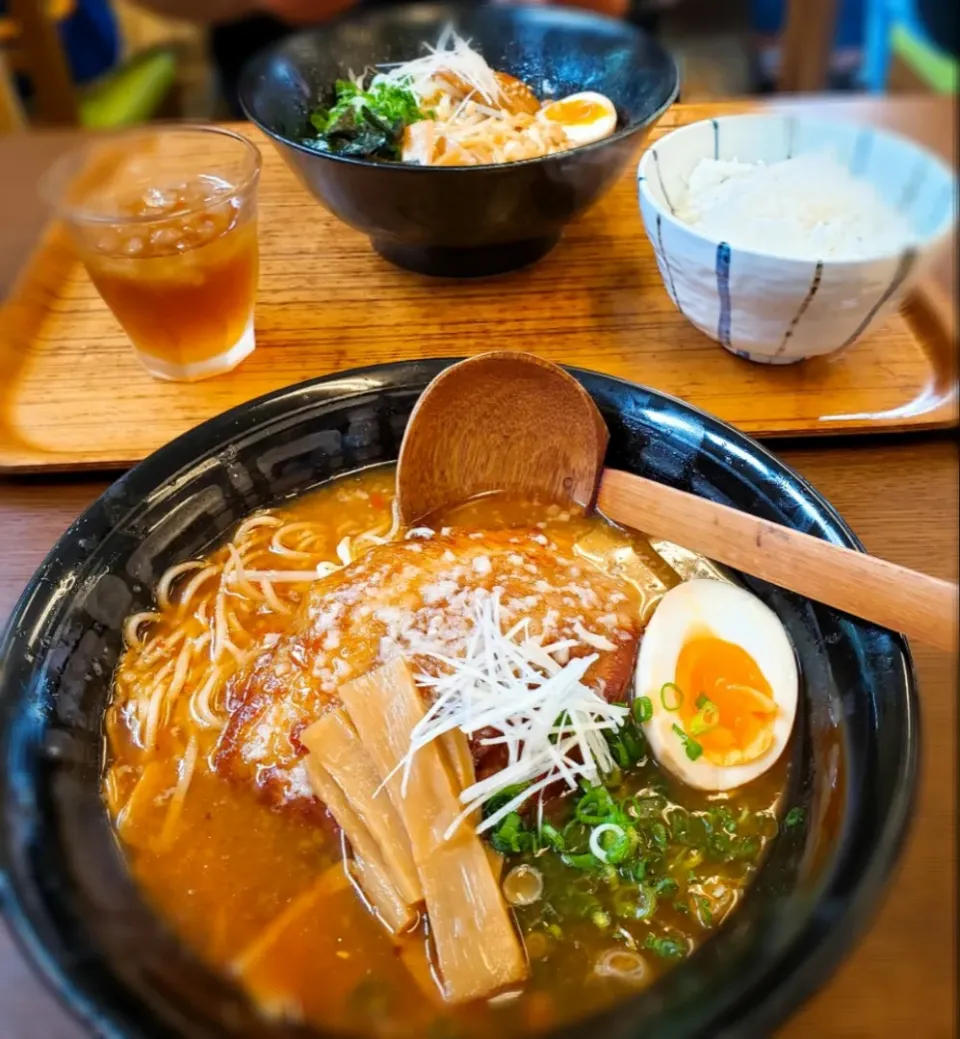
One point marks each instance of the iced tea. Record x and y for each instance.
(169, 237)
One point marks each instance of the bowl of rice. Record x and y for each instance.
(785, 237)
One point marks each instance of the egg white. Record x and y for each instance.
(730, 613)
(596, 129)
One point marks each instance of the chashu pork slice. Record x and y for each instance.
(394, 601)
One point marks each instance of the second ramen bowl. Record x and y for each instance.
(469, 220)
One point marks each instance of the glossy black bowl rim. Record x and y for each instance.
(254, 66)
(815, 951)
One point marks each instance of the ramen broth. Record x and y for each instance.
(259, 890)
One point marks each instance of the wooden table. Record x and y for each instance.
(899, 495)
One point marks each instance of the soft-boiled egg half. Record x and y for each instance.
(585, 117)
(719, 683)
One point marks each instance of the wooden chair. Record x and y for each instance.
(130, 94)
(806, 45)
(11, 111)
(34, 31)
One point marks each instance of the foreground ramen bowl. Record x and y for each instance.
(770, 308)
(66, 892)
(463, 221)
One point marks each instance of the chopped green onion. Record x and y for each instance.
(745, 848)
(665, 948)
(643, 709)
(497, 801)
(647, 903)
(718, 845)
(645, 808)
(671, 696)
(727, 821)
(679, 820)
(691, 859)
(692, 748)
(705, 720)
(596, 806)
(511, 836)
(610, 851)
(584, 861)
(610, 876)
(793, 818)
(552, 837)
(639, 870)
(621, 753)
(601, 919)
(637, 904)
(633, 741)
(613, 779)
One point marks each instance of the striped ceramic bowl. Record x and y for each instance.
(774, 309)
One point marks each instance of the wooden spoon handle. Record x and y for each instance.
(922, 607)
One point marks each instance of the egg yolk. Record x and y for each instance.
(576, 112)
(726, 703)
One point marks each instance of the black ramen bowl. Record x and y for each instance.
(67, 894)
(464, 221)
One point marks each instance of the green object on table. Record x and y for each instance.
(939, 70)
(130, 94)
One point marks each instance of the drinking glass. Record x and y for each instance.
(165, 222)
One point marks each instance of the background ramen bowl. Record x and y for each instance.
(763, 306)
(468, 220)
(66, 892)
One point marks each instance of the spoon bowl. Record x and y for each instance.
(500, 422)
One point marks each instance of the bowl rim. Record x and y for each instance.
(918, 243)
(254, 67)
(812, 952)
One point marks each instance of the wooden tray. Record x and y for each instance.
(72, 395)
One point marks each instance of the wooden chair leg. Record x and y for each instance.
(46, 64)
(11, 111)
(805, 45)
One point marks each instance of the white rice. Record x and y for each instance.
(807, 208)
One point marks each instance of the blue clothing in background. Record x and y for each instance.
(767, 17)
(91, 39)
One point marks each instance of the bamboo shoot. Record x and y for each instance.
(477, 947)
(372, 873)
(334, 743)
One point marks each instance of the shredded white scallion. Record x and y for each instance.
(451, 54)
(552, 724)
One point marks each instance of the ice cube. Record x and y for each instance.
(165, 237)
(161, 198)
(108, 240)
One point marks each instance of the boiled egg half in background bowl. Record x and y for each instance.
(585, 117)
(716, 685)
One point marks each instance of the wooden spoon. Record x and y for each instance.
(509, 421)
